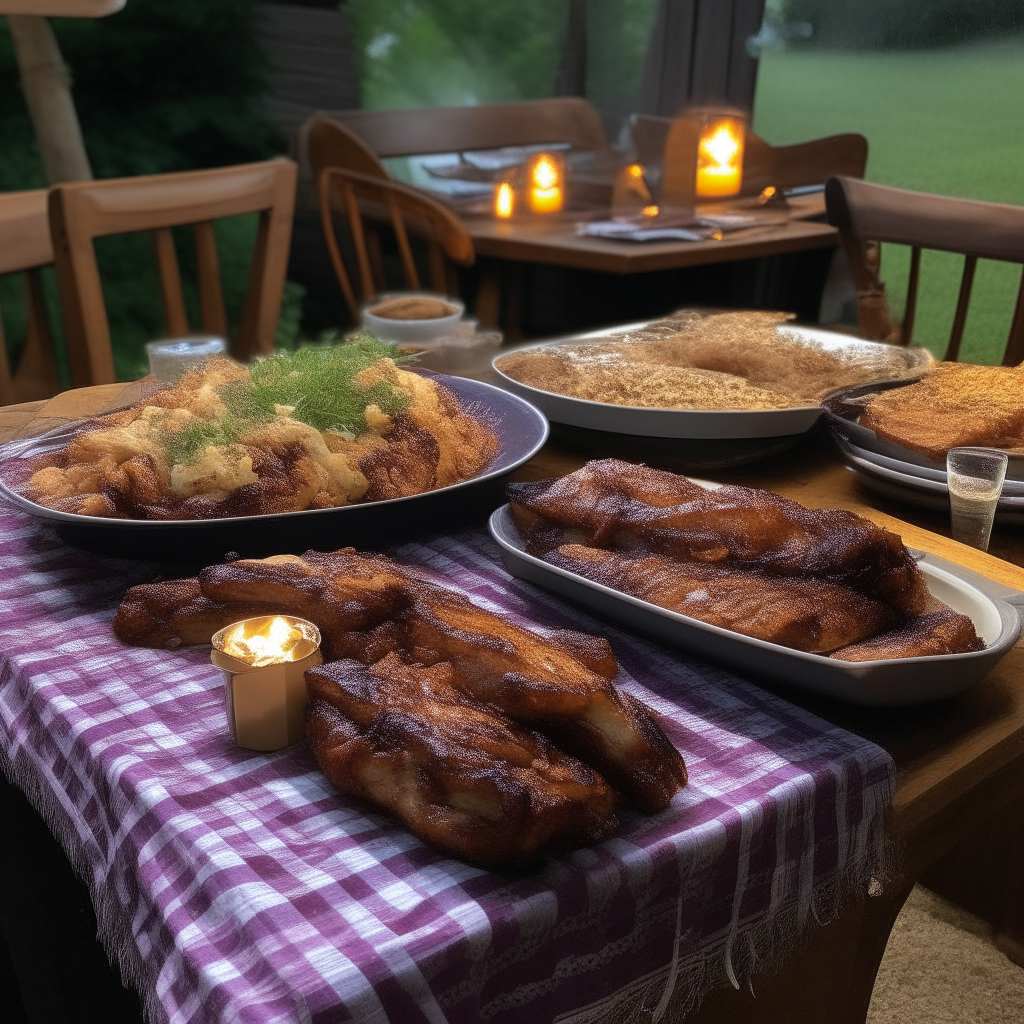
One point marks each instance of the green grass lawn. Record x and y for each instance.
(944, 121)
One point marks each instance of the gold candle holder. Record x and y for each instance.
(263, 660)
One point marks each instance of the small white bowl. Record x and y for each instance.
(413, 330)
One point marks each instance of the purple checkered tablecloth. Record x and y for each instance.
(234, 886)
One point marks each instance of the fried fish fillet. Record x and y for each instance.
(955, 405)
(366, 606)
(626, 507)
(940, 630)
(458, 773)
(807, 614)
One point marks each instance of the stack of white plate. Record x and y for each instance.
(896, 472)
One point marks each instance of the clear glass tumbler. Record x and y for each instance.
(975, 480)
(169, 359)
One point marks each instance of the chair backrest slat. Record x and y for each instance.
(907, 329)
(1015, 343)
(408, 209)
(24, 248)
(866, 212)
(212, 312)
(412, 276)
(83, 211)
(171, 288)
(956, 333)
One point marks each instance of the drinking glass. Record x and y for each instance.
(169, 359)
(975, 480)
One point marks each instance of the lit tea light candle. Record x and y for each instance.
(720, 157)
(546, 176)
(263, 660)
(504, 200)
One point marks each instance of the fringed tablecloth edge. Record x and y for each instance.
(761, 947)
(113, 928)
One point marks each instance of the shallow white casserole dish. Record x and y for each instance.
(689, 423)
(995, 610)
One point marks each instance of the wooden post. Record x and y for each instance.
(44, 80)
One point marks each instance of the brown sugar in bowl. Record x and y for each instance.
(412, 318)
(412, 307)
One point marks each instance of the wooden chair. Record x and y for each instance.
(806, 163)
(391, 133)
(407, 207)
(83, 211)
(325, 142)
(867, 214)
(25, 247)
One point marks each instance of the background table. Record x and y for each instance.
(959, 804)
(785, 268)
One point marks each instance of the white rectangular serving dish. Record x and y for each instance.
(700, 424)
(995, 610)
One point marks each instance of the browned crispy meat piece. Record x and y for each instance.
(808, 614)
(627, 507)
(408, 465)
(539, 683)
(459, 774)
(174, 613)
(349, 596)
(366, 606)
(940, 630)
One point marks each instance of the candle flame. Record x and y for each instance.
(271, 644)
(504, 200)
(545, 174)
(721, 146)
(650, 211)
(636, 170)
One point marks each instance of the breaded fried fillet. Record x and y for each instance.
(458, 773)
(940, 630)
(626, 507)
(807, 614)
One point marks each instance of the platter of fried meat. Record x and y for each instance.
(822, 599)
(730, 375)
(488, 741)
(322, 430)
(910, 428)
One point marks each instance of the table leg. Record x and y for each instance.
(828, 981)
(488, 297)
(983, 875)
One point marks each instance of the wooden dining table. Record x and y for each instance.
(507, 246)
(957, 818)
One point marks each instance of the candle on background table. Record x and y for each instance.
(720, 156)
(546, 183)
(263, 660)
(504, 200)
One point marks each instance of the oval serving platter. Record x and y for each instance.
(522, 432)
(698, 424)
(996, 611)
